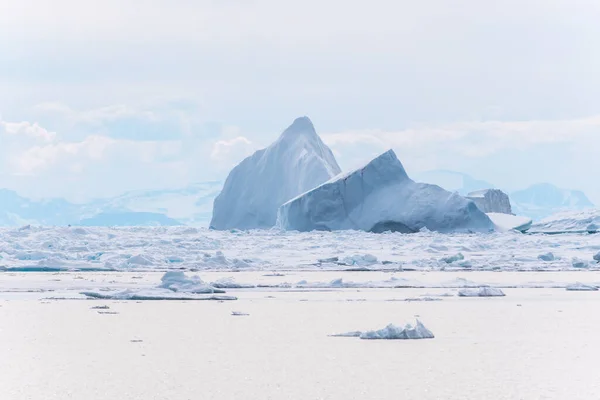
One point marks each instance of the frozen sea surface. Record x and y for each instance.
(538, 342)
(531, 344)
(184, 248)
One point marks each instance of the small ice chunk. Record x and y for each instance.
(230, 283)
(546, 257)
(419, 331)
(348, 334)
(454, 258)
(577, 263)
(239, 314)
(597, 256)
(178, 281)
(581, 287)
(484, 291)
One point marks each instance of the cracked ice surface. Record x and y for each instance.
(191, 249)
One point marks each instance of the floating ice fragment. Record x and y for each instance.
(454, 258)
(395, 332)
(581, 287)
(484, 291)
(546, 257)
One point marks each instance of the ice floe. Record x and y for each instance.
(484, 291)
(393, 332)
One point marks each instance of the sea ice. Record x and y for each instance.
(546, 257)
(508, 222)
(178, 281)
(153, 294)
(484, 291)
(581, 287)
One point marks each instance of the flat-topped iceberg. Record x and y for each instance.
(381, 197)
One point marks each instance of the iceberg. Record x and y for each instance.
(484, 291)
(381, 197)
(583, 221)
(392, 332)
(508, 222)
(491, 201)
(298, 161)
(177, 281)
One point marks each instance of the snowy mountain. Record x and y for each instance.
(298, 161)
(381, 197)
(544, 199)
(16, 210)
(191, 205)
(452, 181)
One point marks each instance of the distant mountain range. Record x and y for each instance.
(192, 205)
(537, 201)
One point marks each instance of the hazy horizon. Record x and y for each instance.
(102, 98)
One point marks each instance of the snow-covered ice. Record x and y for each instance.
(381, 197)
(298, 161)
(190, 249)
(178, 281)
(582, 221)
(393, 332)
(484, 291)
(152, 294)
(507, 222)
(581, 287)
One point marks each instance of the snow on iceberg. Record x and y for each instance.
(393, 332)
(298, 161)
(175, 285)
(484, 291)
(177, 281)
(581, 287)
(570, 222)
(152, 294)
(508, 222)
(381, 197)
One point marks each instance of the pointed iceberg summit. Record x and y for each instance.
(298, 161)
(381, 197)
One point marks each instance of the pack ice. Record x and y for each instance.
(570, 221)
(298, 161)
(381, 197)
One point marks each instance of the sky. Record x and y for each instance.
(101, 97)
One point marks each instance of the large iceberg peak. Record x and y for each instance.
(295, 163)
(387, 165)
(300, 126)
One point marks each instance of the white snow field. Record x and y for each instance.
(114, 313)
(254, 190)
(55, 349)
(381, 197)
